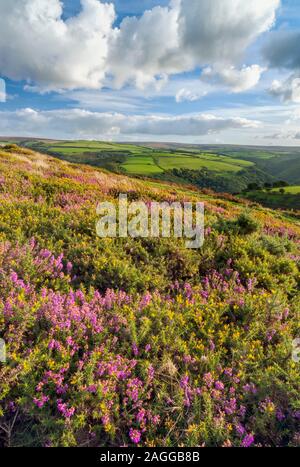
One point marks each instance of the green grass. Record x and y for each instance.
(81, 147)
(159, 162)
(258, 155)
(290, 199)
(141, 165)
(87, 145)
(78, 150)
(293, 190)
(146, 161)
(211, 162)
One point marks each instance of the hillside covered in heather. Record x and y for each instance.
(114, 342)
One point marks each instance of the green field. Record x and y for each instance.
(209, 161)
(141, 165)
(159, 162)
(277, 199)
(94, 146)
(83, 147)
(139, 160)
(293, 190)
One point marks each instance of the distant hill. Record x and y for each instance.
(223, 168)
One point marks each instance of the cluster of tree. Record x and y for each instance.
(253, 186)
(221, 183)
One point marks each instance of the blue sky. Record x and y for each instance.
(123, 7)
(180, 70)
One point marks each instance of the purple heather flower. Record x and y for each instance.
(230, 406)
(92, 389)
(64, 410)
(270, 335)
(228, 371)
(211, 346)
(145, 300)
(297, 415)
(105, 420)
(135, 349)
(54, 345)
(69, 340)
(12, 407)
(286, 313)
(242, 411)
(155, 419)
(133, 387)
(184, 382)
(248, 441)
(280, 415)
(250, 285)
(250, 388)
(208, 379)
(135, 435)
(14, 277)
(204, 294)
(240, 429)
(216, 394)
(41, 401)
(141, 416)
(219, 385)
(151, 372)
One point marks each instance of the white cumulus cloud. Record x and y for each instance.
(288, 90)
(237, 80)
(282, 51)
(38, 45)
(145, 49)
(220, 30)
(188, 95)
(187, 34)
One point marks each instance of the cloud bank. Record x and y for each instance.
(78, 123)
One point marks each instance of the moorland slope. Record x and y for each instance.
(141, 341)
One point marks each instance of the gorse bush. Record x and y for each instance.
(13, 148)
(114, 342)
(245, 224)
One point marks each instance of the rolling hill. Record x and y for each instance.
(122, 341)
(221, 168)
